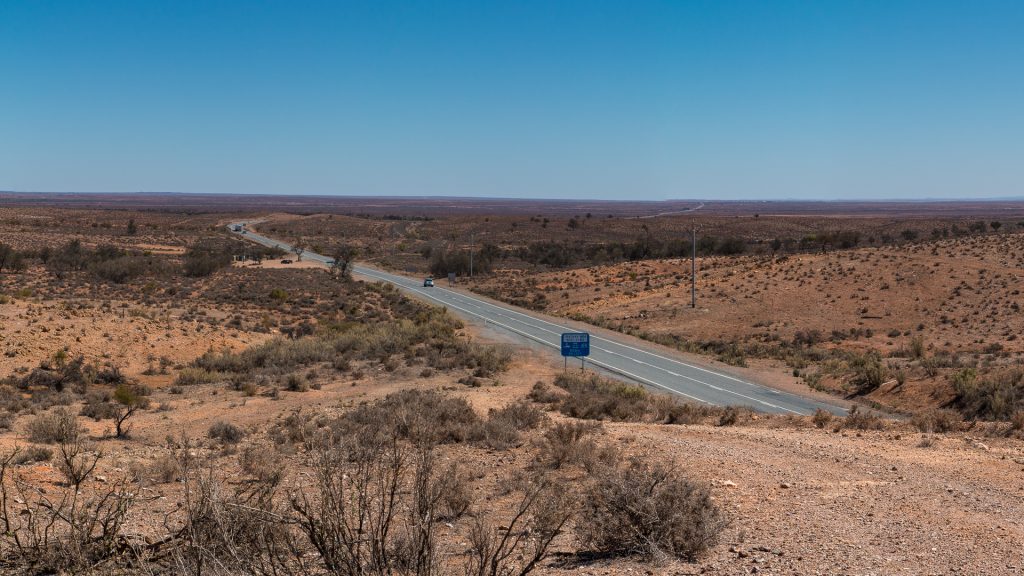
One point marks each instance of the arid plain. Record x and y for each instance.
(168, 409)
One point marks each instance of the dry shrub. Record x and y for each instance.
(296, 383)
(226, 532)
(12, 401)
(649, 511)
(938, 420)
(732, 415)
(296, 428)
(860, 419)
(500, 434)
(164, 469)
(544, 394)
(56, 426)
(263, 463)
(31, 455)
(62, 530)
(594, 398)
(193, 376)
(98, 406)
(821, 418)
(225, 432)
(569, 443)
(519, 415)
(517, 546)
(1017, 421)
(373, 507)
(667, 410)
(420, 416)
(501, 431)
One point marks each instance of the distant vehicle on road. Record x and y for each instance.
(237, 228)
(286, 261)
(329, 262)
(428, 282)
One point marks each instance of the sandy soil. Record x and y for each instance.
(128, 335)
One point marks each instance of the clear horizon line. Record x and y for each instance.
(521, 198)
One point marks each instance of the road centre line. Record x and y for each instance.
(532, 337)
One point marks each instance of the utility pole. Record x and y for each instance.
(693, 270)
(472, 244)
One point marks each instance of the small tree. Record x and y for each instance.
(10, 258)
(343, 256)
(132, 228)
(996, 225)
(130, 402)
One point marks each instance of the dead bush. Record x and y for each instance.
(373, 507)
(648, 510)
(521, 543)
(62, 530)
(227, 532)
(263, 463)
(456, 494)
(667, 410)
(500, 434)
(194, 376)
(296, 383)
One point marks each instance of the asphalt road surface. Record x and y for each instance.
(648, 365)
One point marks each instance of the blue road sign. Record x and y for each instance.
(575, 344)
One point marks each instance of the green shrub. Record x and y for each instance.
(868, 373)
(997, 396)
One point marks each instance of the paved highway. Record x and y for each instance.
(644, 364)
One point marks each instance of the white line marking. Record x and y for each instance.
(480, 305)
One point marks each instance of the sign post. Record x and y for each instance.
(577, 345)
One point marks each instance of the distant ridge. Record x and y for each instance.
(435, 206)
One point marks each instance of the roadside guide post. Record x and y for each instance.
(577, 345)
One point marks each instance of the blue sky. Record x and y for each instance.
(607, 100)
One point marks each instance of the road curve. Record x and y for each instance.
(644, 364)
